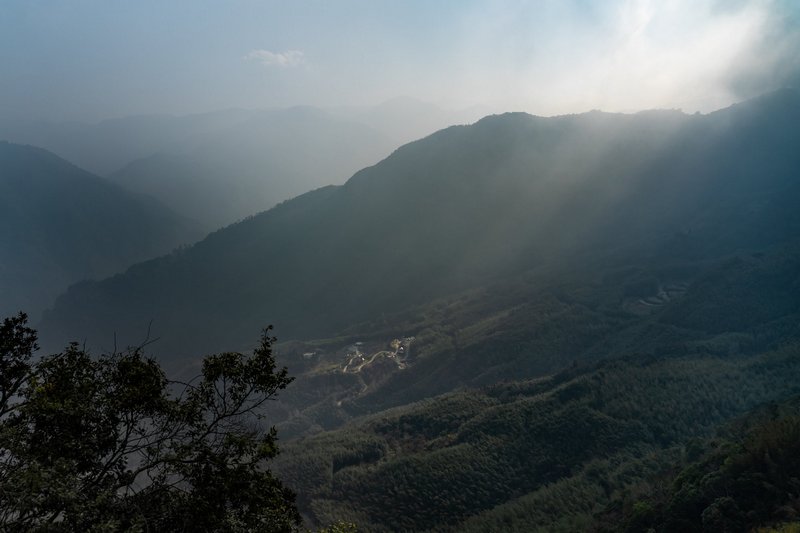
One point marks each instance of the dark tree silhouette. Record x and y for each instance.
(111, 443)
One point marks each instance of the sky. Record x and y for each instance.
(90, 60)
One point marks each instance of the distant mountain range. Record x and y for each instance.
(459, 209)
(404, 119)
(647, 383)
(109, 145)
(219, 167)
(249, 167)
(106, 147)
(60, 224)
(580, 323)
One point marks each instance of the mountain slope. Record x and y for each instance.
(543, 455)
(462, 207)
(406, 119)
(526, 327)
(60, 224)
(498, 454)
(107, 146)
(250, 166)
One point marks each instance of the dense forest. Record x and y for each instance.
(550, 452)
(379, 266)
(443, 215)
(512, 352)
(744, 477)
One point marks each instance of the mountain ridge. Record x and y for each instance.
(443, 213)
(261, 160)
(61, 224)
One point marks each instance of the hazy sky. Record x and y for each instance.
(93, 59)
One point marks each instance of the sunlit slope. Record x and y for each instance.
(464, 206)
(544, 455)
(530, 326)
(60, 224)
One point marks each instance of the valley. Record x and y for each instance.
(663, 295)
(399, 351)
(452, 213)
(371, 361)
(479, 377)
(414, 267)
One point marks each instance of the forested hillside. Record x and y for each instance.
(543, 455)
(741, 305)
(517, 266)
(578, 194)
(746, 477)
(545, 320)
(60, 224)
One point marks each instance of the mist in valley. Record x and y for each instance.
(530, 265)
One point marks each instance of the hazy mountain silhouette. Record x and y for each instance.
(249, 167)
(107, 146)
(405, 119)
(590, 296)
(60, 224)
(220, 166)
(460, 208)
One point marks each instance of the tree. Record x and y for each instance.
(110, 443)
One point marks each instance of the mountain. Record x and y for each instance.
(60, 224)
(571, 195)
(528, 327)
(557, 453)
(633, 368)
(107, 146)
(744, 478)
(252, 165)
(405, 119)
(221, 166)
(526, 324)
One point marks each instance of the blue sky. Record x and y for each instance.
(94, 59)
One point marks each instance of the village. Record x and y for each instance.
(357, 356)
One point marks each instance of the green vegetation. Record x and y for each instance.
(552, 453)
(60, 225)
(748, 477)
(553, 384)
(460, 210)
(109, 443)
(525, 328)
(545, 454)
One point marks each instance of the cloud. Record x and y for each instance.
(286, 59)
(626, 55)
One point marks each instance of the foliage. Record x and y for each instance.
(527, 327)
(518, 456)
(749, 476)
(692, 310)
(464, 207)
(344, 527)
(111, 443)
(550, 453)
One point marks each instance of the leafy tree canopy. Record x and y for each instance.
(111, 443)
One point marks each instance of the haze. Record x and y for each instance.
(531, 265)
(90, 60)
